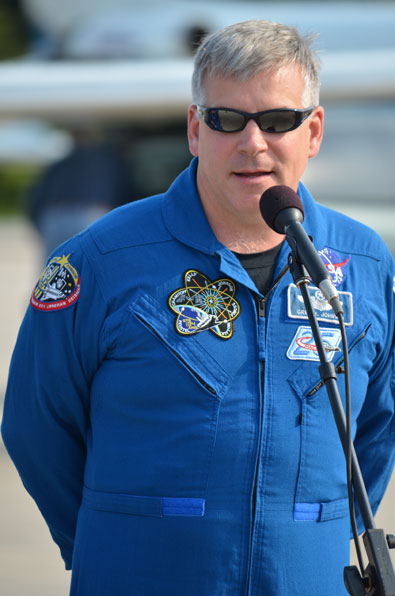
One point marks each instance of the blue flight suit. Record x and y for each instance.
(175, 436)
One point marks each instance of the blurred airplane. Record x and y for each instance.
(158, 28)
(119, 89)
(117, 59)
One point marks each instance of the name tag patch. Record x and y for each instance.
(323, 310)
(303, 345)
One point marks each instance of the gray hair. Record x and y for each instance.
(245, 49)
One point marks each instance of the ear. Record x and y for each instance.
(316, 127)
(193, 131)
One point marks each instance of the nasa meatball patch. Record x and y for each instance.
(336, 266)
(58, 286)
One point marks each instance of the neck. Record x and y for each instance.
(242, 231)
(243, 236)
(248, 241)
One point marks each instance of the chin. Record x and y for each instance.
(249, 206)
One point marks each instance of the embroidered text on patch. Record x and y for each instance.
(203, 304)
(323, 310)
(58, 286)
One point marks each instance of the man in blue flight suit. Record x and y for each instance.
(164, 406)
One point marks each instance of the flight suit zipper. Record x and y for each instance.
(254, 489)
(261, 311)
(261, 304)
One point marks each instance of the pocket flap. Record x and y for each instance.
(189, 350)
(305, 376)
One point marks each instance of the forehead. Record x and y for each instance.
(282, 87)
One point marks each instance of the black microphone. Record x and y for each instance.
(282, 210)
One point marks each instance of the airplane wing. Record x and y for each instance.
(134, 89)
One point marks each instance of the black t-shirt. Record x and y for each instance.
(260, 267)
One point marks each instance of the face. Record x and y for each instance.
(236, 168)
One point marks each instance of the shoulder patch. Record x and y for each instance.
(58, 286)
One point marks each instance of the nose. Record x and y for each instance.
(252, 139)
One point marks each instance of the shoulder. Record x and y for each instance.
(333, 228)
(134, 224)
(142, 222)
(352, 236)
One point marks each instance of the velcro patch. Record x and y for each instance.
(203, 305)
(335, 265)
(58, 286)
(323, 310)
(303, 345)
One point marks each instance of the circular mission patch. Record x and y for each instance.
(58, 286)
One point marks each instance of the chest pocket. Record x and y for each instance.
(189, 351)
(167, 406)
(322, 472)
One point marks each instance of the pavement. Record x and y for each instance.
(30, 563)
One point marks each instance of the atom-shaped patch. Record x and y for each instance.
(203, 304)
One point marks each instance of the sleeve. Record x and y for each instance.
(375, 436)
(46, 412)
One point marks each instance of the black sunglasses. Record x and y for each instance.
(278, 120)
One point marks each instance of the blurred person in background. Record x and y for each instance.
(75, 191)
(164, 405)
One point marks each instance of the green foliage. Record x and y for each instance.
(13, 41)
(14, 182)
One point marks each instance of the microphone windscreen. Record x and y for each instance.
(275, 199)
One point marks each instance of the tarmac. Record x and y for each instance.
(30, 563)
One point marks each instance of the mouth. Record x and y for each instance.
(258, 174)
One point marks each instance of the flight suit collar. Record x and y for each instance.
(186, 220)
(184, 215)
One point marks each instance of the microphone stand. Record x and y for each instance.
(378, 578)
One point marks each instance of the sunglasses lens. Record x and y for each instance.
(280, 121)
(225, 120)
